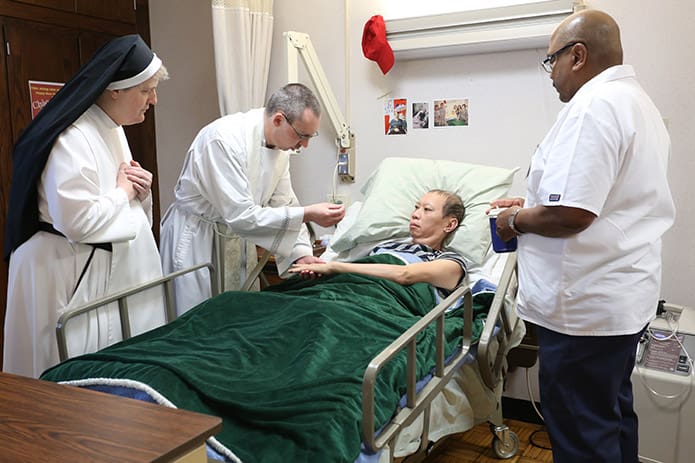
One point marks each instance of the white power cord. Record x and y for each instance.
(530, 395)
(538, 412)
(335, 181)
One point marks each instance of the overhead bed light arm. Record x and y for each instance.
(299, 44)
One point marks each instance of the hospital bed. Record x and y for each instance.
(441, 373)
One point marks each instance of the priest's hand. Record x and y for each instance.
(324, 214)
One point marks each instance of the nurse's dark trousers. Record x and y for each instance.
(586, 396)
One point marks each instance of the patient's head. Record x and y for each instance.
(436, 217)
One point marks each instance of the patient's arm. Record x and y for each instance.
(441, 273)
(308, 260)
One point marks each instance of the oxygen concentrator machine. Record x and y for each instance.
(663, 381)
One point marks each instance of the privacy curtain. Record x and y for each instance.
(242, 33)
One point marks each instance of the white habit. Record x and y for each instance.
(78, 195)
(230, 184)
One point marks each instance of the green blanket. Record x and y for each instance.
(283, 367)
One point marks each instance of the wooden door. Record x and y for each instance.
(63, 5)
(33, 52)
(37, 52)
(115, 10)
(5, 174)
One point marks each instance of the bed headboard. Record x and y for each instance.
(393, 188)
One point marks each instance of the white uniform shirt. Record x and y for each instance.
(607, 153)
(232, 184)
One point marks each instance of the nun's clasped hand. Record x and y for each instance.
(139, 180)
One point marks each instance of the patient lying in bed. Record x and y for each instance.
(433, 222)
(283, 367)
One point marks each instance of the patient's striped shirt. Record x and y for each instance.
(424, 252)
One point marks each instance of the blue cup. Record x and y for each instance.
(497, 244)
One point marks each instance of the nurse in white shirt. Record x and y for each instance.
(590, 228)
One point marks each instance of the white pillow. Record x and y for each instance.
(391, 191)
(348, 221)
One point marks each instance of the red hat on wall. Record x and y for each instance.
(374, 44)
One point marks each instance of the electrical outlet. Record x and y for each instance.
(339, 199)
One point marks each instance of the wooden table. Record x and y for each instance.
(45, 421)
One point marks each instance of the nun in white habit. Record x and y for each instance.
(79, 224)
(235, 182)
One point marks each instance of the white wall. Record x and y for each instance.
(181, 34)
(512, 102)
(312, 170)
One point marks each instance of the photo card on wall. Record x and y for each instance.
(395, 113)
(421, 115)
(451, 112)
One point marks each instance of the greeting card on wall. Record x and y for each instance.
(451, 112)
(40, 93)
(395, 112)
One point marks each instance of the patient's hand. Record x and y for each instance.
(310, 267)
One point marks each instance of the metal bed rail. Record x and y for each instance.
(494, 344)
(121, 298)
(219, 258)
(416, 402)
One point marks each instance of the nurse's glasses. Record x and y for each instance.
(550, 59)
